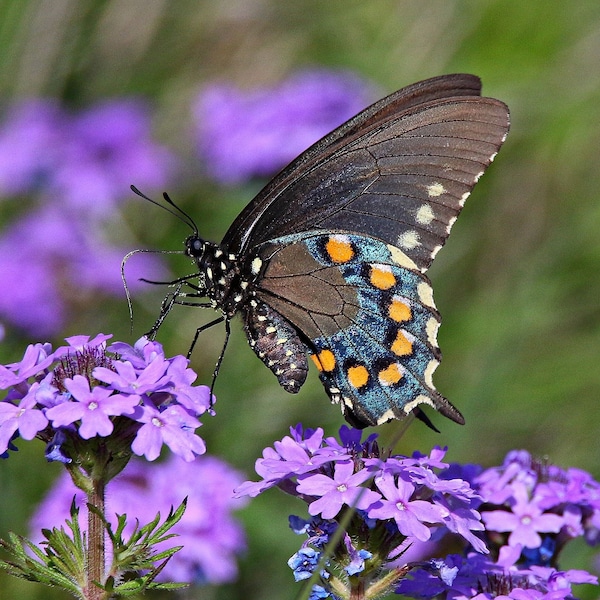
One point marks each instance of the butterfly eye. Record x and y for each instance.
(194, 246)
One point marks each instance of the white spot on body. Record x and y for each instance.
(256, 265)
(463, 198)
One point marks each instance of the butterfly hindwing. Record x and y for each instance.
(368, 320)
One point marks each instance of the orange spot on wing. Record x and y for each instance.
(399, 311)
(390, 375)
(358, 376)
(339, 249)
(324, 360)
(401, 346)
(382, 277)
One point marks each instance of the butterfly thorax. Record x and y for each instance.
(221, 278)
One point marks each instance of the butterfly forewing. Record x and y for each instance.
(384, 174)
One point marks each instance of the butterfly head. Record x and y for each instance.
(196, 247)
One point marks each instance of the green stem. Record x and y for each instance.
(357, 592)
(96, 548)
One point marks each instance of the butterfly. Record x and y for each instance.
(327, 263)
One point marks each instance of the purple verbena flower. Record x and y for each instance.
(410, 515)
(303, 563)
(248, 134)
(525, 520)
(173, 426)
(343, 488)
(92, 407)
(81, 391)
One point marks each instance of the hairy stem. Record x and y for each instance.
(96, 546)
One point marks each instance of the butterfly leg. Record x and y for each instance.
(208, 326)
(167, 304)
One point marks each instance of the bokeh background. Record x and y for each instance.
(517, 284)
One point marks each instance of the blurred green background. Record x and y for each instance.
(517, 284)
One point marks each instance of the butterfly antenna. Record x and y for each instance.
(126, 287)
(177, 212)
(182, 215)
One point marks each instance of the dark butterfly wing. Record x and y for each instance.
(399, 171)
(369, 322)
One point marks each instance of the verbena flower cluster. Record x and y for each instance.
(85, 390)
(211, 538)
(74, 168)
(248, 134)
(510, 522)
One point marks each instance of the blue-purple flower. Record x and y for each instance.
(85, 390)
(396, 500)
(211, 537)
(512, 521)
(248, 134)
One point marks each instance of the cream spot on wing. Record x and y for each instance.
(409, 406)
(432, 328)
(425, 294)
(409, 240)
(388, 415)
(401, 259)
(428, 375)
(435, 251)
(425, 215)
(435, 189)
(451, 222)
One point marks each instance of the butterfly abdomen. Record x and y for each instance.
(277, 344)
